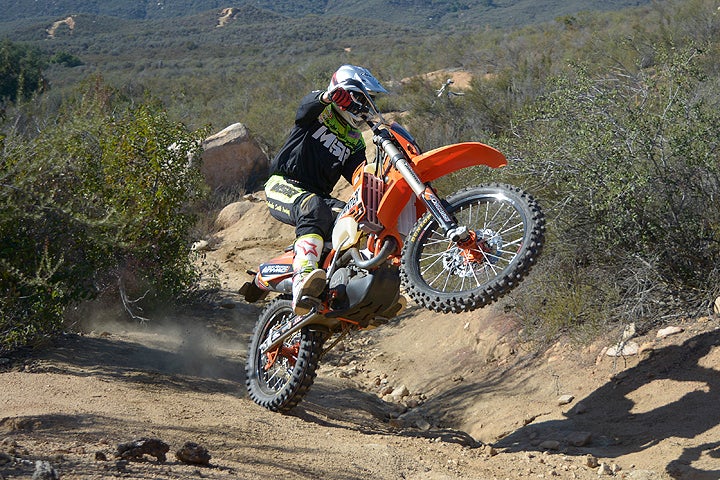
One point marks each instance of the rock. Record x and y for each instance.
(591, 461)
(604, 469)
(412, 403)
(100, 457)
(44, 471)
(565, 399)
(135, 450)
(194, 454)
(623, 350)
(200, 246)
(422, 424)
(667, 331)
(231, 158)
(716, 306)
(400, 392)
(416, 420)
(387, 390)
(233, 212)
(579, 439)
(550, 445)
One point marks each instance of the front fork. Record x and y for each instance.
(453, 231)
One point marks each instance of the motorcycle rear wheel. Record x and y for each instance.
(279, 379)
(509, 229)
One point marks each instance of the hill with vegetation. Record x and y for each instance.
(609, 118)
(422, 13)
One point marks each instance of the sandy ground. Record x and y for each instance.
(473, 401)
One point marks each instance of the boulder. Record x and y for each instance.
(232, 158)
(137, 449)
(229, 215)
(194, 454)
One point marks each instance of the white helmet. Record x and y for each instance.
(360, 83)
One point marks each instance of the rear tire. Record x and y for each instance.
(509, 226)
(281, 384)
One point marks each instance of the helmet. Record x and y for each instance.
(360, 84)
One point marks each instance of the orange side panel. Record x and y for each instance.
(286, 258)
(433, 165)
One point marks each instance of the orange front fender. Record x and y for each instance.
(433, 165)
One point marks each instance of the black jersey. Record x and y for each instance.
(321, 148)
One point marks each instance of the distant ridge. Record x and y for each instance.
(432, 14)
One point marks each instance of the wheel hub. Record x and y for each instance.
(482, 247)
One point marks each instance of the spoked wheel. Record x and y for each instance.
(279, 379)
(506, 232)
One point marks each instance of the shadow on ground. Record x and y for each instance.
(616, 429)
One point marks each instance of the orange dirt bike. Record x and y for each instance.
(395, 233)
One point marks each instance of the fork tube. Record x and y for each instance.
(422, 191)
(398, 160)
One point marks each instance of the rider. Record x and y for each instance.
(325, 143)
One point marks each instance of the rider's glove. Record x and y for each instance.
(341, 98)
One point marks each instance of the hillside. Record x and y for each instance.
(482, 403)
(422, 13)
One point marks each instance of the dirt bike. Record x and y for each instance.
(452, 254)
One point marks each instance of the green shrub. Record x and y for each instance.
(66, 59)
(20, 71)
(98, 199)
(628, 169)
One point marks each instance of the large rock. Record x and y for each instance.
(232, 158)
(233, 212)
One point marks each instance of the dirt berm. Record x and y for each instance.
(427, 396)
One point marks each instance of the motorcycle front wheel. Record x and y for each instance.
(279, 379)
(506, 228)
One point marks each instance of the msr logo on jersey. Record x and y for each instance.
(332, 143)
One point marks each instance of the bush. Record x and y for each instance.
(629, 174)
(66, 59)
(99, 199)
(20, 71)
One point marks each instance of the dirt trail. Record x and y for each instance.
(479, 403)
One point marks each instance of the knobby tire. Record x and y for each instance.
(284, 385)
(434, 271)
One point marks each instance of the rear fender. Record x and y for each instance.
(430, 166)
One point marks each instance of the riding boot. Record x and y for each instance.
(308, 279)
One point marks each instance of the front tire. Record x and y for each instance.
(507, 228)
(279, 379)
